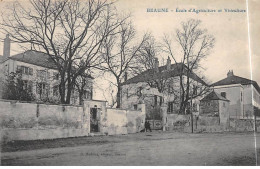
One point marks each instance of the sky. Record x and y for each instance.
(231, 51)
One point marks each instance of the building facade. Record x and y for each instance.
(242, 93)
(141, 89)
(38, 73)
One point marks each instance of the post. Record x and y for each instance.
(191, 116)
(191, 122)
(255, 111)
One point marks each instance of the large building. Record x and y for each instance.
(140, 89)
(39, 74)
(242, 93)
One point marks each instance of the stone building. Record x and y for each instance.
(140, 89)
(214, 105)
(243, 94)
(39, 74)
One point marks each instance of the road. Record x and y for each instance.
(155, 148)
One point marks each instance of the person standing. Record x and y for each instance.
(147, 126)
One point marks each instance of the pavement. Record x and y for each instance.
(152, 148)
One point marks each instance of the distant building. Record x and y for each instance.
(138, 89)
(39, 74)
(242, 93)
(214, 105)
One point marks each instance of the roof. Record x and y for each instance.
(236, 80)
(37, 58)
(152, 74)
(213, 96)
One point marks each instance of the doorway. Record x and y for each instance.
(94, 119)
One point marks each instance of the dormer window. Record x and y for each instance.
(223, 94)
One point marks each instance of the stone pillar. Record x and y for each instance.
(164, 115)
(143, 109)
(86, 116)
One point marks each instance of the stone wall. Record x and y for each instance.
(135, 120)
(31, 121)
(241, 125)
(208, 124)
(116, 122)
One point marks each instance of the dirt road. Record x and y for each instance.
(156, 148)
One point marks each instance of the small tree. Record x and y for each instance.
(16, 89)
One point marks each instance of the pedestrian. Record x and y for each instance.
(147, 126)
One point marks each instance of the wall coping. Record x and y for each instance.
(95, 100)
(34, 102)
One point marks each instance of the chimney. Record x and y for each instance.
(168, 64)
(156, 64)
(7, 45)
(230, 73)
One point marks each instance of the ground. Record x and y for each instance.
(155, 148)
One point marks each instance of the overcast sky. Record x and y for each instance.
(231, 51)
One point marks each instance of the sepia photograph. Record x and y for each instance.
(129, 83)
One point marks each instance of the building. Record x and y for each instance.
(39, 74)
(141, 89)
(214, 105)
(242, 93)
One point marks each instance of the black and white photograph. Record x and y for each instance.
(130, 82)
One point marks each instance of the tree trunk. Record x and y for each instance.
(118, 96)
(62, 89)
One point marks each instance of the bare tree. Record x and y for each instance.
(84, 87)
(196, 45)
(68, 31)
(119, 51)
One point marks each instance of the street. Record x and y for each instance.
(155, 148)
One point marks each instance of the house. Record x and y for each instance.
(242, 93)
(159, 87)
(39, 74)
(214, 105)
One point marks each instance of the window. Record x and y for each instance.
(41, 73)
(55, 76)
(42, 88)
(241, 97)
(223, 94)
(224, 105)
(135, 106)
(155, 100)
(161, 100)
(25, 70)
(170, 107)
(56, 90)
(27, 85)
(195, 90)
(87, 94)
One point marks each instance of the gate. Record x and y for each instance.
(155, 124)
(94, 119)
